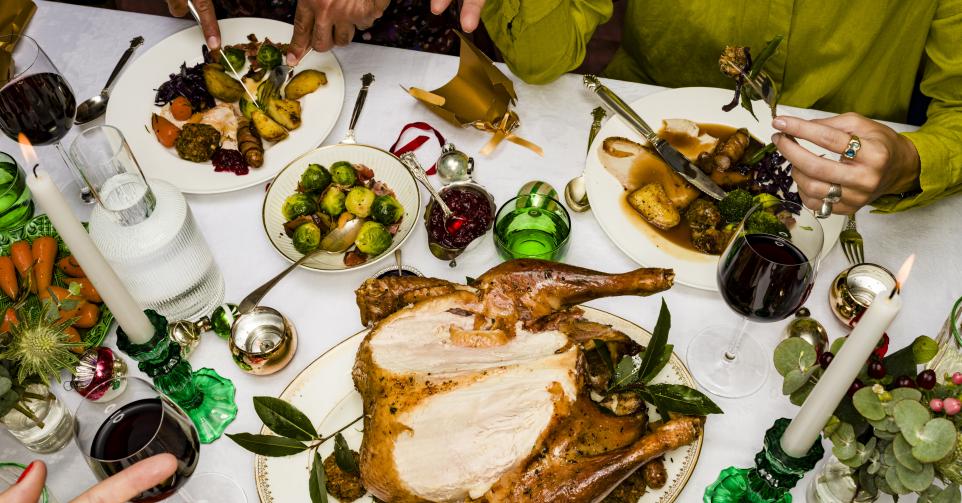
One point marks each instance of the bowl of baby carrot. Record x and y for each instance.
(37, 271)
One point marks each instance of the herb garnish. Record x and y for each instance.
(751, 83)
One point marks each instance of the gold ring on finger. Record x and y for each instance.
(854, 145)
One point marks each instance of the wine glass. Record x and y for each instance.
(764, 277)
(132, 421)
(35, 99)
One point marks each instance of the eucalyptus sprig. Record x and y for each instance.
(294, 433)
(634, 374)
(751, 83)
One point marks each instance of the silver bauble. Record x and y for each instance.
(808, 329)
(454, 165)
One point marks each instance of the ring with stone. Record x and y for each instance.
(834, 194)
(854, 145)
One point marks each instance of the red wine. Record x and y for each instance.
(765, 277)
(132, 434)
(41, 106)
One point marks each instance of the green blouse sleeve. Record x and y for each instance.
(542, 39)
(939, 140)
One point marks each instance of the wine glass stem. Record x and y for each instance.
(736, 341)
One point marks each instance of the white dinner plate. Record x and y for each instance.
(387, 168)
(132, 103)
(641, 242)
(325, 392)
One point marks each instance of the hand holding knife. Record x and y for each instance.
(196, 15)
(678, 162)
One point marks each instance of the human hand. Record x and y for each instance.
(321, 24)
(208, 19)
(117, 489)
(887, 162)
(470, 12)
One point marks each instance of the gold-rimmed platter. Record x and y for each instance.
(325, 391)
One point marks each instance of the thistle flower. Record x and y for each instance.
(39, 344)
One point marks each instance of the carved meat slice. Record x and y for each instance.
(467, 396)
(634, 166)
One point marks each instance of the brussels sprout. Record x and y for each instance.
(343, 173)
(269, 56)
(332, 202)
(298, 204)
(387, 210)
(233, 57)
(359, 201)
(315, 178)
(373, 238)
(307, 237)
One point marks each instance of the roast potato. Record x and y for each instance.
(222, 86)
(304, 83)
(266, 127)
(287, 113)
(653, 204)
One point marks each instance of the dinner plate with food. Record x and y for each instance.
(330, 188)
(212, 122)
(656, 217)
(504, 389)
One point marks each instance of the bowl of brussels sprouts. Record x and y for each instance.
(326, 188)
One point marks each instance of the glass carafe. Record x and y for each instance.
(146, 230)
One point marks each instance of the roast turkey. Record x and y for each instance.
(481, 392)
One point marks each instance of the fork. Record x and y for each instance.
(283, 72)
(851, 241)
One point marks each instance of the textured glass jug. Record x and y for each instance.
(146, 230)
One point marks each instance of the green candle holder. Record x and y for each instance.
(775, 473)
(206, 397)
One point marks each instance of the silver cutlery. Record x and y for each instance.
(852, 243)
(576, 195)
(96, 106)
(675, 160)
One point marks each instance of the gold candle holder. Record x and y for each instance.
(854, 289)
(262, 341)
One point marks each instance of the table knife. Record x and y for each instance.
(671, 156)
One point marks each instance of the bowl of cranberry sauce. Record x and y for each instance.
(472, 210)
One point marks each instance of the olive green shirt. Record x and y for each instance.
(853, 55)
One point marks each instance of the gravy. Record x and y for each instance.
(651, 169)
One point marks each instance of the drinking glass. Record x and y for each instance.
(16, 206)
(763, 278)
(133, 421)
(145, 230)
(35, 101)
(532, 226)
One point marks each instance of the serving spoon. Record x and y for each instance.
(576, 195)
(452, 222)
(336, 241)
(96, 106)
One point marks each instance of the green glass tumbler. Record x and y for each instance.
(16, 206)
(532, 226)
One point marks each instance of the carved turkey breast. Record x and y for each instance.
(479, 393)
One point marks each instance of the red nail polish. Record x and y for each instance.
(25, 472)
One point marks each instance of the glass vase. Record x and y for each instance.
(949, 358)
(146, 230)
(833, 482)
(51, 426)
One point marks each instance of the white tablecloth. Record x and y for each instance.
(84, 43)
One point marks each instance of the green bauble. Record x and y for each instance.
(222, 319)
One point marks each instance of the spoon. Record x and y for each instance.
(96, 106)
(336, 241)
(451, 222)
(397, 261)
(575, 193)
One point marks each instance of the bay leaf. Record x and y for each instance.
(317, 484)
(284, 419)
(267, 445)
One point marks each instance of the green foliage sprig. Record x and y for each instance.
(294, 433)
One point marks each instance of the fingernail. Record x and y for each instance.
(775, 137)
(779, 123)
(25, 472)
(291, 59)
(212, 42)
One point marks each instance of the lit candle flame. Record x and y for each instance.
(904, 272)
(29, 155)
